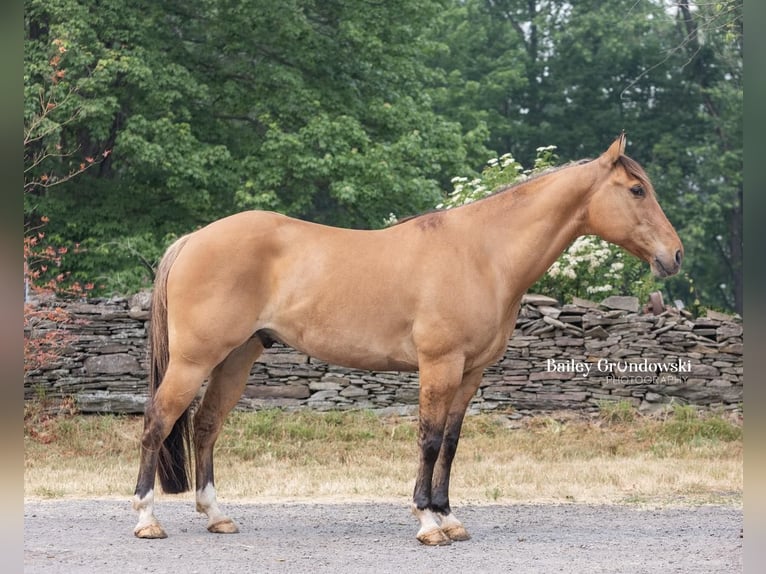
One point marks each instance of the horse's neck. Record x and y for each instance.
(531, 225)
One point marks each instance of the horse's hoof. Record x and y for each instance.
(434, 537)
(456, 533)
(223, 527)
(153, 530)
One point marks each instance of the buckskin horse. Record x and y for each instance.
(437, 293)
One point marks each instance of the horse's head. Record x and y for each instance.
(623, 209)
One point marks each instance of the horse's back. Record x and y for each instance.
(315, 287)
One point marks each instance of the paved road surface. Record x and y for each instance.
(93, 536)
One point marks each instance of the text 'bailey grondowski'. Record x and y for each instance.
(644, 366)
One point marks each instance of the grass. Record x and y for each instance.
(615, 412)
(618, 457)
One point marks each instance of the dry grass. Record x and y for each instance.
(620, 457)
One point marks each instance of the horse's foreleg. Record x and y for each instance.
(227, 382)
(449, 524)
(438, 383)
(174, 395)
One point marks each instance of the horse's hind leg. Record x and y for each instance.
(179, 387)
(227, 382)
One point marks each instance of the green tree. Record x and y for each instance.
(344, 130)
(51, 104)
(702, 160)
(576, 73)
(315, 109)
(480, 73)
(337, 114)
(159, 178)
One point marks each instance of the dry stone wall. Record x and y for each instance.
(571, 356)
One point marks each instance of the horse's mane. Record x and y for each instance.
(538, 175)
(630, 165)
(501, 189)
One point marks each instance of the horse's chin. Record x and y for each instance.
(662, 270)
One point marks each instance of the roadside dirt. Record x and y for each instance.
(95, 535)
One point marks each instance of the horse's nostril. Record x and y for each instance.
(679, 257)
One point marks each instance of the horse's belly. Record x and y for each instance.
(349, 347)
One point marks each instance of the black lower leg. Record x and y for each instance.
(151, 441)
(205, 433)
(443, 467)
(430, 441)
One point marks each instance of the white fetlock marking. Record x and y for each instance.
(453, 528)
(145, 508)
(427, 518)
(206, 503)
(449, 521)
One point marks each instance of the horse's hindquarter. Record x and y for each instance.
(363, 299)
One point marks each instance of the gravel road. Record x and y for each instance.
(93, 536)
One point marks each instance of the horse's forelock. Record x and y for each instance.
(634, 169)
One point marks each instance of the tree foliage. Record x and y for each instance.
(574, 73)
(342, 112)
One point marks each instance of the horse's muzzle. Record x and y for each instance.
(666, 266)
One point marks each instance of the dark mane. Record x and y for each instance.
(415, 216)
(537, 175)
(630, 165)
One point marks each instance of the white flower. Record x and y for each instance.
(391, 219)
(598, 288)
(508, 161)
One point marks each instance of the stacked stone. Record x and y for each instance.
(104, 363)
(104, 368)
(522, 380)
(623, 348)
(286, 379)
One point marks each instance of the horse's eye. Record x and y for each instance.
(638, 191)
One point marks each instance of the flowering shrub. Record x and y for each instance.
(594, 269)
(590, 268)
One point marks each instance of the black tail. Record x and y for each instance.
(174, 469)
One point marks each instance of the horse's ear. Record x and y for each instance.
(616, 149)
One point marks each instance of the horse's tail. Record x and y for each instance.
(175, 453)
